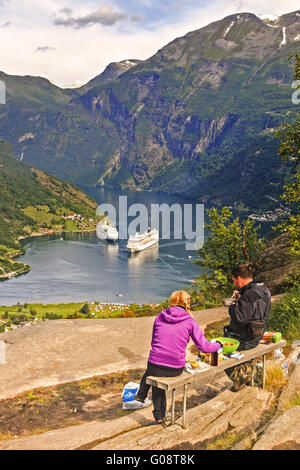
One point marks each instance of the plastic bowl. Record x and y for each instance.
(228, 349)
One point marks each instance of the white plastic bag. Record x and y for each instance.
(129, 392)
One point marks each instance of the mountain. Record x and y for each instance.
(112, 71)
(195, 119)
(30, 202)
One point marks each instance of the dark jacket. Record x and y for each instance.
(254, 304)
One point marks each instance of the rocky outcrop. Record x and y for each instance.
(292, 390)
(227, 411)
(283, 433)
(275, 264)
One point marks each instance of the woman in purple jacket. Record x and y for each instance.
(171, 333)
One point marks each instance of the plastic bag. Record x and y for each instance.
(278, 356)
(129, 392)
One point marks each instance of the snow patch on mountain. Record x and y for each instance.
(283, 42)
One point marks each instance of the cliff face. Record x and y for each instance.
(182, 119)
(275, 264)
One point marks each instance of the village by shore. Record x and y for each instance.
(76, 223)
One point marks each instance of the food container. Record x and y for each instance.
(274, 336)
(229, 344)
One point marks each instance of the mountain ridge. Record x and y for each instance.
(190, 107)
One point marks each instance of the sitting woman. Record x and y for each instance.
(171, 333)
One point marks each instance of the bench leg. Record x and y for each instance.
(184, 406)
(264, 371)
(253, 372)
(173, 407)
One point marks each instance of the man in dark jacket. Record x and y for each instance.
(248, 317)
(250, 311)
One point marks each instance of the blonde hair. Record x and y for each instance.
(182, 299)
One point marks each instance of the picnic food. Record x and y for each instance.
(228, 344)
(194, 364)
(274, 336)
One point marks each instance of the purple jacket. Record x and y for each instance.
(171, 333)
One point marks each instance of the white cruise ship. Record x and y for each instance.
(141, 241)
(105, 231)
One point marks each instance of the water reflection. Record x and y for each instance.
(110, 249)
(137, 260)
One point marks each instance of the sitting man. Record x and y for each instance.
(248, 317)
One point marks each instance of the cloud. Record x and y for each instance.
(86, 52)
(44, 49)
(136, 18)
(105, 15)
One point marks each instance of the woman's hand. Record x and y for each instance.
(220, 344)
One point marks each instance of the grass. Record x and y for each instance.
(285, 315)
(16, 314)
(294, 402)
(225, 442)
(275, 380)
(215, 330)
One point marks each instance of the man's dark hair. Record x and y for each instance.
(241, 270)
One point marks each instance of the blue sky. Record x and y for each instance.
(71, 41)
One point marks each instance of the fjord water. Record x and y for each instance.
(78, 266)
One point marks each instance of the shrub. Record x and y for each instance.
(285, 315)
(53, 316)
(85, 309)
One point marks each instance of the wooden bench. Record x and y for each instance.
(173, 383)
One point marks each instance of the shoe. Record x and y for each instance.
(168, 416)
(143, 403)
(136, 404)
(161, 422)
(139, 399)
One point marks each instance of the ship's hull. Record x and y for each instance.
(141, 247)
(103, 234)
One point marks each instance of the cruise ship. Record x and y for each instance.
(141, 241)
(105, 231)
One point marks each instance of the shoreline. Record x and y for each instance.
(60, 232)
(12, 274)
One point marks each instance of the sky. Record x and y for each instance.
(69, 42)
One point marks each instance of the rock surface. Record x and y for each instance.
(283, 433)
(291, 391)
(275, 264)
(227, 411)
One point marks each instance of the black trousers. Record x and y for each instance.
(158, 395)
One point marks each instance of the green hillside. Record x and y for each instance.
(32, 202)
